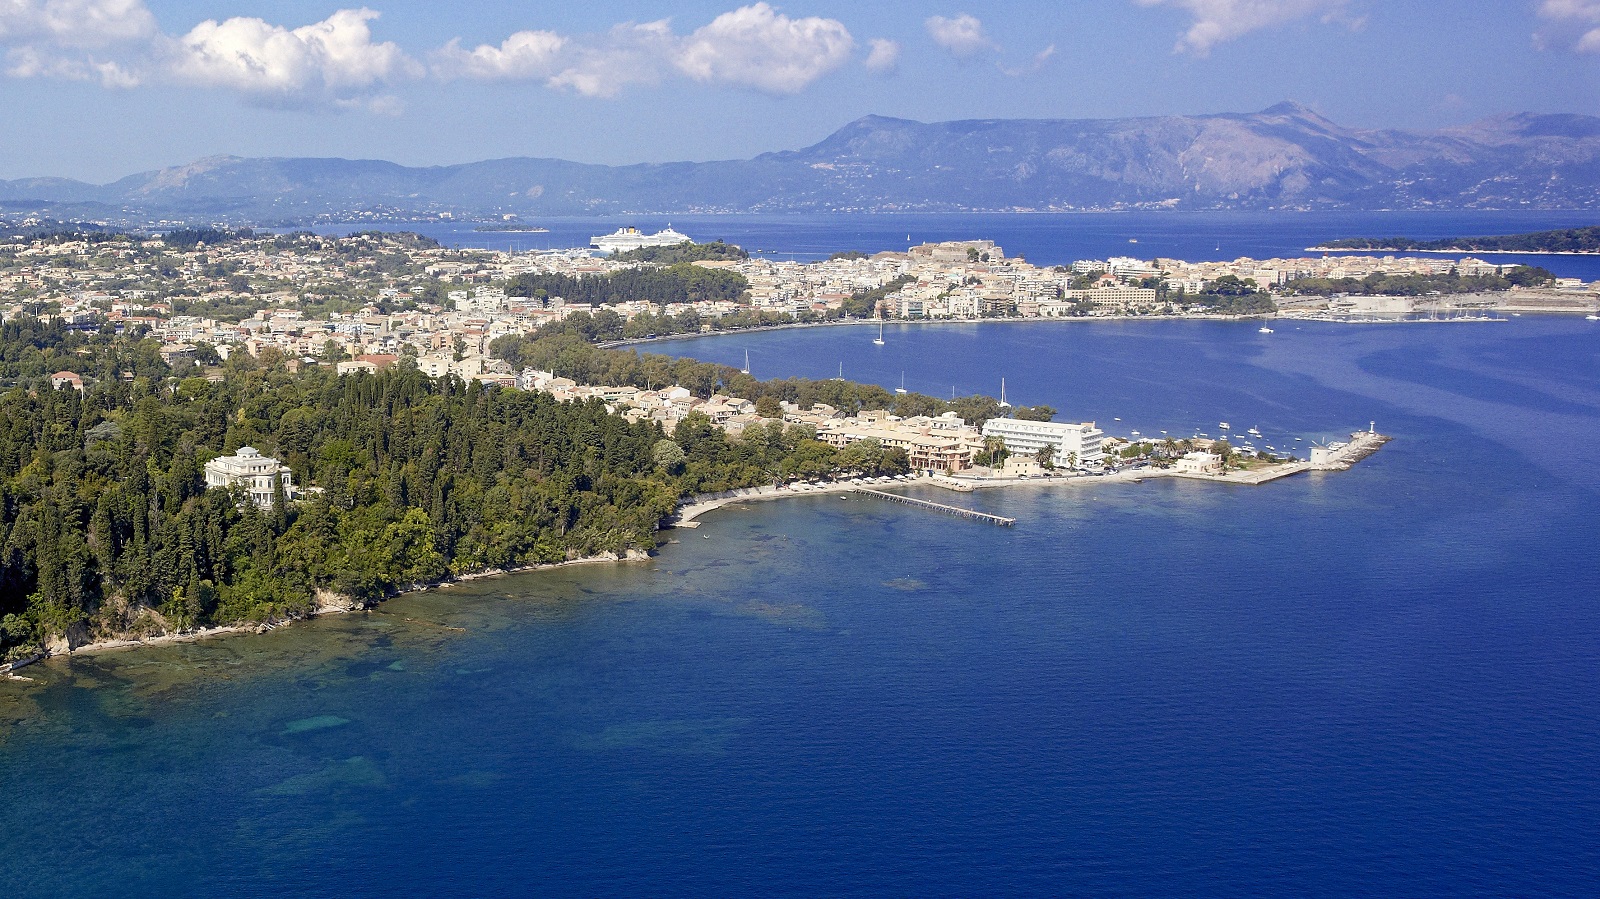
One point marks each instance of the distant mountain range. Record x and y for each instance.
(1287, 157)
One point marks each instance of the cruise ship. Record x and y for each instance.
(625, 239)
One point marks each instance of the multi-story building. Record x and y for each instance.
(1073, 443)
(941, 444)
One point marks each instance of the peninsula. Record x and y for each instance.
(240, 485)
(211, 428)
(1564, 241)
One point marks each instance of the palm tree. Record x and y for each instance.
(1046, 456)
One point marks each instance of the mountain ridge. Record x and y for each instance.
(1285, 157)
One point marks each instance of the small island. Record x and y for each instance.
(1565, 241)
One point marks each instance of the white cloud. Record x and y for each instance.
(1580, 10)
(75, 23)
(1569, 13)
(337, 62)
(64, 38)
(334, 57)
(631, 53)
(757, 46)
(883, 57)
(32, 62)
(754, 46)
(963, 35)
(1219, 21)
(526, 54)
(1034, 65)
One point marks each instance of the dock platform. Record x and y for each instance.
(941, 507)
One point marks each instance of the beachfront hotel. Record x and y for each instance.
(1071, 441)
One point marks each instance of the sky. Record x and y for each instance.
(100, 89)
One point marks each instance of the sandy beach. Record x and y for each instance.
(698, 506)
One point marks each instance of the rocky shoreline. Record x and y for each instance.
(327, 604)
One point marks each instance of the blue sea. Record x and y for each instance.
(1381, 682)
(1045, 239)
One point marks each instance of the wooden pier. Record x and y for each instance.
(940, 507)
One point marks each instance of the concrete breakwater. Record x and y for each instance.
(1333, 457)
(1340, 456)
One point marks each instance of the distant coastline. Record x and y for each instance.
(1454, 251)
(1583, 241)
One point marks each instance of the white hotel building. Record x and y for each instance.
(251, 471)
(1025, 438)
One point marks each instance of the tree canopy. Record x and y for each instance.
(685, 252)
(683, 282)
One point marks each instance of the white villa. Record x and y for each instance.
(251, 471)
(1199, 463)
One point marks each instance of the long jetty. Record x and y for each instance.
(941, 507)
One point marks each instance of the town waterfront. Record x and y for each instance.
(1373, 682)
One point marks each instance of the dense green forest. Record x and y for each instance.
(104, 520)
(106, 527)
(1564, 240)
(681, 283)
(1231, 295)
(684, 252)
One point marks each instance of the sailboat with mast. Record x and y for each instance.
(902, 387)
(746, 369)
(1003, 403)
(879, 339)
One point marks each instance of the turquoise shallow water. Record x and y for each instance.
(1379, 682)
